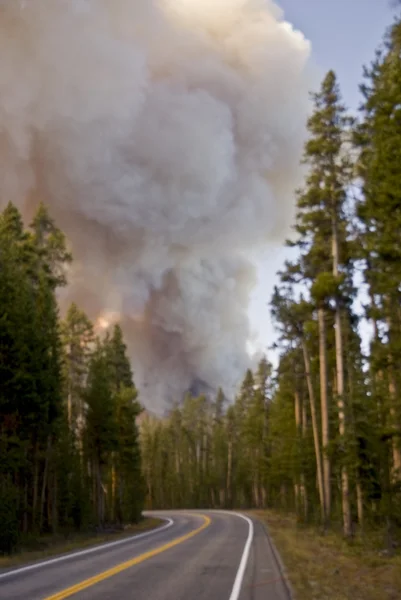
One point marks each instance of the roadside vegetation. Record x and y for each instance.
(36, 547)
(326, 567)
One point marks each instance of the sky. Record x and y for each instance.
(344, 35)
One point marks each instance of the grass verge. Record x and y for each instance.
(42, 547)
(326, 567)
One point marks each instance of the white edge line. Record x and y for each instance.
(96, 548)
(239, 578)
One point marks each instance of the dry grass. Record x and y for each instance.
(43, 547)
(326, 567)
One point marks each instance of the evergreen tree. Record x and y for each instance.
(78, 338)
(378, 138)
(325, 267)
(101, 427)
(68, 408)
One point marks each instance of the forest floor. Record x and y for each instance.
(326, 567)
(37, 547)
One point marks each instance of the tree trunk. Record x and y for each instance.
(25, 514)
(304, 492)
(297, 485)
(69, 409)
(264, 497)
(35, 494)
(229, 472)
(44, 483)
(395, 445)
(255, 494)
(297, 407)
(69, 396)
(113, 506)
(297, 497)
(100, 494)
(396, 450)
(359, 500)
(55, 514)
(213, 497)
(324, 410)
(315, 431)
(346, 508)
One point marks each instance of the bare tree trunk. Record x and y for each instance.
(359, 500)
(346, 508)
(297, 407)
(304, 419)
(113, 508)
(283, 496)
(69, 397)
(100, 494)
(297, 485)
(69, 408)
(229, 471)
(315, 431)
(255, 494)
(341, 417)
(324, 410)
(205, 452)
(297, 497)
(150, 487)
(44, 483)
(25, 515)
(55, 515)
(351, 390)
(304, 492)
(396, 450)
(35, 485)
(304, 496)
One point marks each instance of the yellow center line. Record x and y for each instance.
(126, 565)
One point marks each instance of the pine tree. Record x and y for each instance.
(101, 427)
(50, 247)
(293, 322)
(78, 338)
(378, 138)
(128, 480)
(119, 365)
(321, 216)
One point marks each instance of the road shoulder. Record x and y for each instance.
(265, 577)
(328, 566)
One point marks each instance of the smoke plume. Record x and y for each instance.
(165, 136)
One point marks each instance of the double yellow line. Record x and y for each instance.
(126, 565)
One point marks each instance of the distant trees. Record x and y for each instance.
(68, 437)
(207, 454)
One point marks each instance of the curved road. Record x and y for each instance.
(204, 555)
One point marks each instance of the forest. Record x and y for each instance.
(319, 436)
(69, 446)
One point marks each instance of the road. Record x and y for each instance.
(193, 556)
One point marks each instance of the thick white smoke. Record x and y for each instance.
(165, 136)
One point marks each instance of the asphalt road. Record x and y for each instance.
(194, 556)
